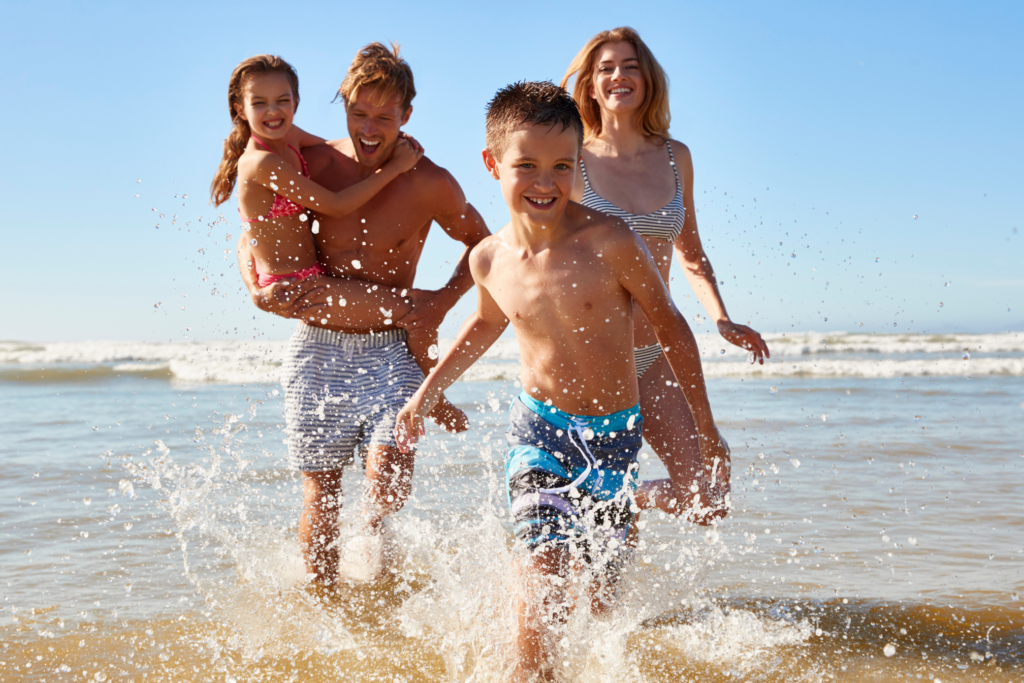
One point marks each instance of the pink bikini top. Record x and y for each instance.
(281, 206)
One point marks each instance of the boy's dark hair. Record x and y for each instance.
(535, 103)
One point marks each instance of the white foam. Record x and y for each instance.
(799, 354)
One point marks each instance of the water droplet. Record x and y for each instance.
(794, 462)
(889, 650)
(303, 217)
(433, 352)
(723, 351)
(967, 355)
(356, 264)
(253, 241)
(824, 417)
(87, 501)
(915, 216)
(941, 304)
(126, 487)
(316, 227)
(774, 390)
(911, 540)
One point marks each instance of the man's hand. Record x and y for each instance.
(745, 338)
(288, 299)
(428, 310)
(409, 424)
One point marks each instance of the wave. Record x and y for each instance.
(805, 354)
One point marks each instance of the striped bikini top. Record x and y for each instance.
(666, 223)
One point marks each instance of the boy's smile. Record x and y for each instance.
(536, 172)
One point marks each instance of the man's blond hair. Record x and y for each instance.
(376, 66)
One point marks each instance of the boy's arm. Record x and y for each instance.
(638, 274)
(477, 335)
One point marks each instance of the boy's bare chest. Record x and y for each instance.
(541, 291)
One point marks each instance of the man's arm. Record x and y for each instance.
(477, 335)
(462, 223)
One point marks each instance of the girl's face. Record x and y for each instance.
(618, 80)
(268, 104)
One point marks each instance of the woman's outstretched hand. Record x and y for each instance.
(745, 338)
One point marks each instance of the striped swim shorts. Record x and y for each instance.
(343, 393)
(570, 478)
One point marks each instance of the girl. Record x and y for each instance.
(276, 197)
(631, 169)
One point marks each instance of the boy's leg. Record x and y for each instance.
(318, 525)
(540, 607)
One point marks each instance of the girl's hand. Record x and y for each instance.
(745, 338)
(411, 140)
(404, 157)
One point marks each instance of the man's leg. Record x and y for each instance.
(540, 608)
(318, 526)
(388, 484)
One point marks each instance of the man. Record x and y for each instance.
(344, 387)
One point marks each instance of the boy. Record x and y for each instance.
(566, 277)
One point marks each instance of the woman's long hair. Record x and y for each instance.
(224, 181)
(653, 116)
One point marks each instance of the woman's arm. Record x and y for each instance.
(697, 268)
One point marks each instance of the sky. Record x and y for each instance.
(857, 165)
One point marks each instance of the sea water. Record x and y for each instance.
(148, 526)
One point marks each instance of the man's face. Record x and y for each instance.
(373, 124)
(537, 171)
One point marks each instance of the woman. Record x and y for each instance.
(630, 168)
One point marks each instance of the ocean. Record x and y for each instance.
(148, 525)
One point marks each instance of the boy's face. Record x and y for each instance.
(374, 123)
(537, 171)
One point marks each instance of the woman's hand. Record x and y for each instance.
(745, 338)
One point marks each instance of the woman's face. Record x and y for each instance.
(618, 81)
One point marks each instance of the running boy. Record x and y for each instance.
(566, 277)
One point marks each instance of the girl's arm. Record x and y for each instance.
(699, 273)
(477, 335)
(300, 138)
(272, 172)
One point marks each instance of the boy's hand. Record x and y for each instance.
(404, 156)
(409, 425)
(745, 338)
(710, 491)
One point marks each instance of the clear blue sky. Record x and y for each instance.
(825, 127)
